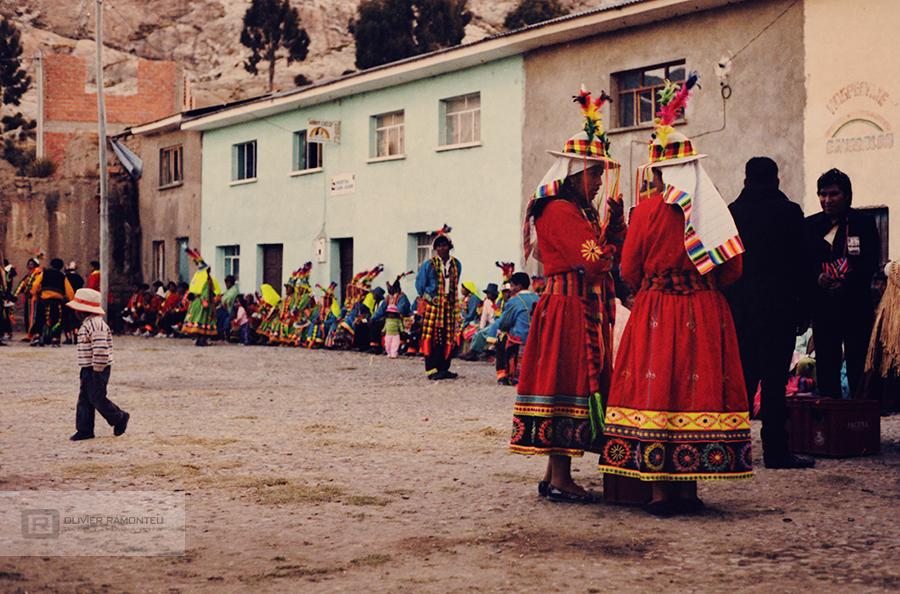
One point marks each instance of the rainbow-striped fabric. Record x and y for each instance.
(705, 258)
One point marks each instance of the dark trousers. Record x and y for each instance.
(92, 397)
(437, 361)
(766, 346)
(375, 331)
(48, 319)
(507, 360)
(838, 336)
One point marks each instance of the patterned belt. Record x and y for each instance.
(679, 282)
(570, 284)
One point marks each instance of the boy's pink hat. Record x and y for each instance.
(87, 300)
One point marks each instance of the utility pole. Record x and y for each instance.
(39, 74)
(104, 189)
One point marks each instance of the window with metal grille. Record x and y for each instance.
(636, 95)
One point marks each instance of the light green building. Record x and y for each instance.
(396, 163)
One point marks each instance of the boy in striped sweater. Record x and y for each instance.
(95, 360)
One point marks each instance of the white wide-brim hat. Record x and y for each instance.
(87, 300)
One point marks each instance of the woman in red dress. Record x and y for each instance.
(567, 364)
(677, 410)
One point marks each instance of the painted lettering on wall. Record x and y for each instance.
(857, 89)
(858, 132)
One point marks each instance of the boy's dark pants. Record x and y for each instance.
(91, 397)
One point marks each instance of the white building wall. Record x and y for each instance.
(853, 109)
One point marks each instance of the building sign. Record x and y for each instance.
(323, 131)
(343, 183)
(862, 130)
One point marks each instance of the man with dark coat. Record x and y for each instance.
(770, 302)
(846, 252)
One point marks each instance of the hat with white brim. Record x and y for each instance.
(87, 300)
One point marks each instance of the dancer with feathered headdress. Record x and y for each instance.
(323, 317)
(572, 223)
(200, 319)
(677, 413)
(437, 285)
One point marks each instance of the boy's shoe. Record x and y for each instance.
(80, 436)
(120, 427)
(503, 381)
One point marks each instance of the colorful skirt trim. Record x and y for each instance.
(676, 446)
(551, 426)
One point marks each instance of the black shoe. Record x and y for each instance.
(67, 341)
(661, 509)
(788, 461)
(437, 375)
(79, 436)
(689, 506)
(560, 496)
(119, 428)
(503, 381)
(450, 375)
(542, 488)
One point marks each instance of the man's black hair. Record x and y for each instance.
(56, 263)
(836, 177)
(522, 279)
(442, 240)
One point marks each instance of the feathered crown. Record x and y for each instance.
(327, 290)
(538, 283)
(508, 269)
(593, 127)
(196, 258)
(300, 277)
(364, 279)
(38, 256)
(445, 230)
(672, 99)
(401, 276)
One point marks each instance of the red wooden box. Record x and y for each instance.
(623, 490)
(834, 427)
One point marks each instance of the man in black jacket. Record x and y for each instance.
(846, 251)
(770, 302)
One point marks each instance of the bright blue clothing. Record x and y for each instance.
(516, 316)
(427, 278)
(471, 314)
(403, 308)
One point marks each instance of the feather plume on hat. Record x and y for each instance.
(196, 258)
(508, 269)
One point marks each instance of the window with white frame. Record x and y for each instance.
(423, 248)
(389, 134)
(243, 161)
(636, 92)
(171, 170)
(231, 258)
(307, 155)
(462, 120)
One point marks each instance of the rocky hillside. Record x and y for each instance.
(204, 36)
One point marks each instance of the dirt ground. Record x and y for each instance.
(320, 472)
